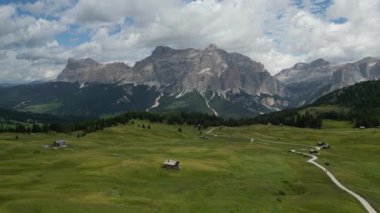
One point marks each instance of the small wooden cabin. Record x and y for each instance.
(325, 146)
(313, 151)
(59, 143)
(171, 164)
(320, 143)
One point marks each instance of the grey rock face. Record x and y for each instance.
(310, 81)
(305, 81)
(211, 69)
(88, 70)
(211, 72)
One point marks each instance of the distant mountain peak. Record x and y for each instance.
(309, 81)
(300, 65)
(89, 70)
(73, 63)
(161, 50)
(211, 47)
(210, 72)
(319, 62)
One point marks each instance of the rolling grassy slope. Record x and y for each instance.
(118, 170)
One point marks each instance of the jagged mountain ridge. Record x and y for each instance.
(212, 72)
(88, 70)
(210, 80)
(179, 71)
(307, 82)
(206, 70)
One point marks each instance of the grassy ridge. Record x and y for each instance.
(118, 170)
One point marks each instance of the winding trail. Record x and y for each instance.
(362, 201)
(312, 160)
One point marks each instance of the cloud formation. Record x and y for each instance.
(37, 37)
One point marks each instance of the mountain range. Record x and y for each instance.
(359, 104)
(211, 80)
(307, 82)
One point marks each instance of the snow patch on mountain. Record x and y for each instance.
(123, 99)
(182, 93)
(207, 101)
(82, 85)
(156, 102)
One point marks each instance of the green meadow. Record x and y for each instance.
(119, 170)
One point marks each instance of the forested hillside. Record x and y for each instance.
(26, 122)
(359, 104)
(359, 96)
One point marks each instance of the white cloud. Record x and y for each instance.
(276, 33)
(19, 70)
(47, 7)
(25, 31)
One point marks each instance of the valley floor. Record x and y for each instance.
(119, 170)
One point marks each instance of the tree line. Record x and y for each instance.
(24, 127)
(198, 120)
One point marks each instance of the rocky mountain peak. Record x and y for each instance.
(369, 59)
(211, 47)
(80, 63)
(319, 63)
(88, 70)
(309, 81)
(178, 72)
(299, 66)
(161, 51)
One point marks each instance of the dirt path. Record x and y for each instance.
(312, 160)
(362, 201)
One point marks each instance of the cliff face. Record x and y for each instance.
(226, 83)
(211, 69)
(88, 70)
(308, 82)
(230, 78)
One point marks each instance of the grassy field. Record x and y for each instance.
(118, 170)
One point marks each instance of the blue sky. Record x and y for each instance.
(73, 36)
(39, 36)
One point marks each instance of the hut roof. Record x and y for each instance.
(171, 162)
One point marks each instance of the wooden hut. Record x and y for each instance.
(325, 146)
(59, 143)
(313, 151)
(320, 143)
(171, 164)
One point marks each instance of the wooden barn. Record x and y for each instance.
(59, 143)
(320, 143)
(313, 151)
(171, 164)
(325, 146)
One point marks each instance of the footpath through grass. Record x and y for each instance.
(118, 170)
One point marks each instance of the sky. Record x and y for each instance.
(37, 37)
